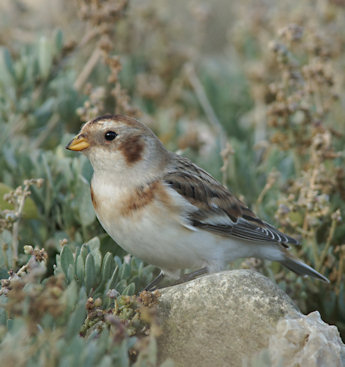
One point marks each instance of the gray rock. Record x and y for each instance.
(306, 341)
(227, 319)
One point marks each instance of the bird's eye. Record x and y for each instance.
(110, 135)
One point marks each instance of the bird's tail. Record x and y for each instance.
(300, 268)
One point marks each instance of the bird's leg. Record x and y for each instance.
(191, 276)
(185, 278)
(153, 285)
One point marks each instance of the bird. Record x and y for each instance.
(162, 208)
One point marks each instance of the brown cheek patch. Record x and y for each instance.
(132, 148)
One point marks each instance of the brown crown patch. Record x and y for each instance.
(102, 118)
(132, 148)
(123, 118)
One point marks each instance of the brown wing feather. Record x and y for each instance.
(212, 200)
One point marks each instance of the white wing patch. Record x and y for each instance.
(218, 219)
(184, 206)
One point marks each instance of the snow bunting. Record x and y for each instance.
(167, 211)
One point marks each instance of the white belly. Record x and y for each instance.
(157, 234)
(154, 233)
(154, 236)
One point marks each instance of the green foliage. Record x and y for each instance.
(30, 210)
(100, 274)
(58, 321)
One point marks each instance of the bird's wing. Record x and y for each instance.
(216, 208)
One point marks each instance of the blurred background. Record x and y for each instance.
(252, 91)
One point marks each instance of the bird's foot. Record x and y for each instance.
(190, 276)
(154, 284)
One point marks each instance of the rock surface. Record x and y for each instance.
(306, 341)
(226, 319)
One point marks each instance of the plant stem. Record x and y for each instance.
(46, 132)
(87, 70)
(328, 243)
(15, 230)
(205, 103)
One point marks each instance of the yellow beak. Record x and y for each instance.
(78, 143)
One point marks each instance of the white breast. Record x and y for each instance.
(160, 235)
(155, 233)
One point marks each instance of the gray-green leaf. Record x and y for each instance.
(66, 258)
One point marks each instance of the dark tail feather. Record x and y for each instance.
(300, 268)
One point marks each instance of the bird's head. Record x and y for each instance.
(117, 144)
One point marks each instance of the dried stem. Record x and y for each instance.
(15, 229)
(205, 103)
(88, 68)
(89, 36)
(271, 180)
(328, 243)
(46, 132)
(226, 153)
